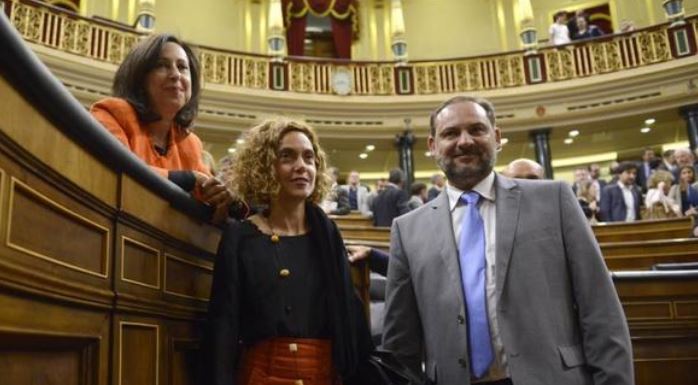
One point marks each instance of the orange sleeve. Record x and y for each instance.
(119, 118)
(105, 114)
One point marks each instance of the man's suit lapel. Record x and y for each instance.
(441, 226)
(507, 200)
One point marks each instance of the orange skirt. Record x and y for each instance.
(288, 361)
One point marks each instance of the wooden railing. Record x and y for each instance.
(102, 41)
(662, 313)
(625, 246)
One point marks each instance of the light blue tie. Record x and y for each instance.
(471, 248)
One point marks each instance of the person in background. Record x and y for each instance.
(658, 202)
(418, 195)
(587, 198)
(683, 157)
(685, 192)
(283, 309)
(581, 175)
(437, 185)
(358, 194)
(647, 166)
(337, 201)
(596, 180)
(391, 202)
(524, 169)
(620, 202)
(668, 162)
(156, 99)
(585, 30)
(572, 23)
(558, 33)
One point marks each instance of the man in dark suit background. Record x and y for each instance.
(391, 202)
(620, 202)
(646, 168)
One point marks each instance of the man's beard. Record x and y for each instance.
(468, 175)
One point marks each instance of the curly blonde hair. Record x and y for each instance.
(660, 176)
(252, 172)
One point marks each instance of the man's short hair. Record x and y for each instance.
(625, 166)
(484, 103)
(396, 176)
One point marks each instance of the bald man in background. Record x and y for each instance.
(523, 168)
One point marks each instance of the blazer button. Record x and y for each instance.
(462, 362)
(461, 319)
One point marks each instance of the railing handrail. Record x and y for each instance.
(653, 274)
(30, 77)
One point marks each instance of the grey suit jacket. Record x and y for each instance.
(559, 316)
(361, 198)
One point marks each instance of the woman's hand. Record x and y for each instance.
(213, 191)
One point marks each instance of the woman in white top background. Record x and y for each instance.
(559, 34)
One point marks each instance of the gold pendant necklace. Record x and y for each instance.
(283, 272)
(274, 236)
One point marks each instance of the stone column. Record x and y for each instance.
(404, 143)
(690, 113)
(542, 145)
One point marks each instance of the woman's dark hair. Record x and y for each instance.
(130, 79)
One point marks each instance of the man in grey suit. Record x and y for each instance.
(541, 308)
(358, 194)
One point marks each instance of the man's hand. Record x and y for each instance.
(357, 253)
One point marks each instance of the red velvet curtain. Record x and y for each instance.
(343, 15)
(295, 36)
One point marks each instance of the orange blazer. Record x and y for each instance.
(120, 118)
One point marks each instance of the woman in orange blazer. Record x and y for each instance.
(156, 98)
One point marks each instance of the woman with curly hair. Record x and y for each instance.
(658, 202)
(282, 308)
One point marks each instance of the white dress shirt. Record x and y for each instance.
(629, 199)
(559, 34)
(486, 207)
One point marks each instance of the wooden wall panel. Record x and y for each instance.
(183, 361)
(140, 263)
(50, 343)
(138, 361)
(666, 359)
(44, 358)
(188, 278)
(39, 226)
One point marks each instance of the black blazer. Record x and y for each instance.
(388, 205)
(613, 205)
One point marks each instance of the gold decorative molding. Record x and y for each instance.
(68, 213)
(156, 252)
